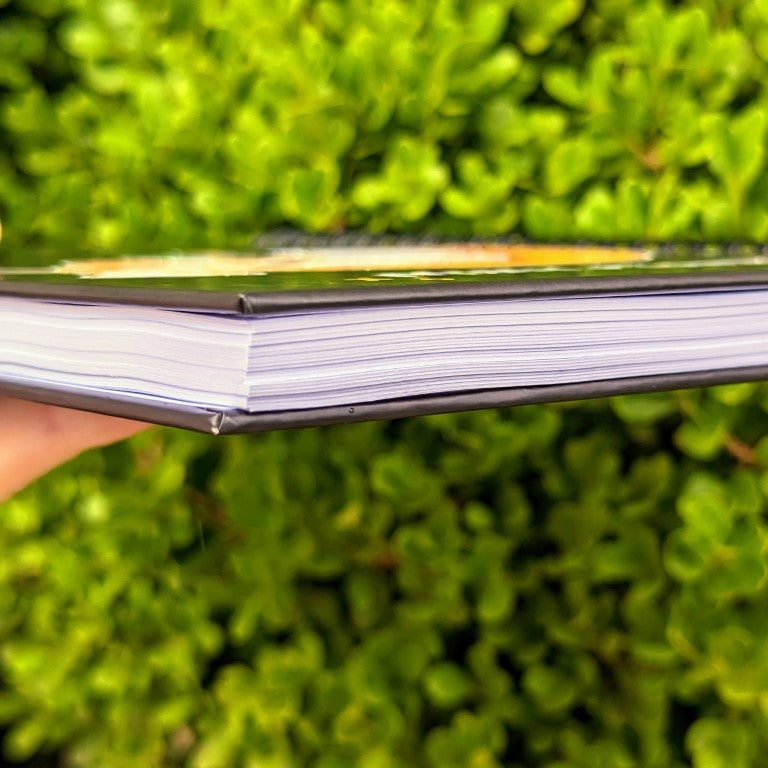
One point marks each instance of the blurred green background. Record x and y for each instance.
(571, 586)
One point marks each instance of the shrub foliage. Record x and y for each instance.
(567, 586)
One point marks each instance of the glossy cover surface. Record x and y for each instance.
(284, 278)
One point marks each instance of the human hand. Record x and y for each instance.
(34, 438)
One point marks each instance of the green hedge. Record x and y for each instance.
(128, 124)
(570, 586)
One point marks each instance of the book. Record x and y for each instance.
(231, 342)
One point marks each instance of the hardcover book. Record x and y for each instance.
(298, 336)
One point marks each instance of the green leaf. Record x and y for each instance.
(403, 480)
(551, 690)
(447, 685)
(703, 439)
(547, 219)
(733, 394)
(596, 213)
(705, 508)
(644, 409)
(737, 149)
(540, 28)
(687, 554)
(496, 601)
(307, 196)
(412, 176)
(572, 162)
(721, 744)
(563, 84)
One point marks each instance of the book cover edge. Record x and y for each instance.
(237, 422)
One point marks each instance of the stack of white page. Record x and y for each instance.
(329, 356)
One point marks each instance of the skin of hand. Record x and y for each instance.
(34, 438)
